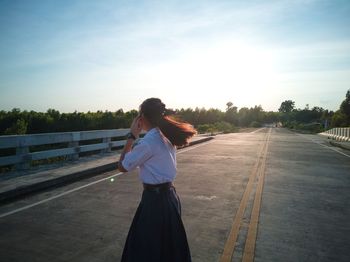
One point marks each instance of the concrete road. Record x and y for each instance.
(271, 195)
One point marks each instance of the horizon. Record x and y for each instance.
(192, 108)
(97, 56)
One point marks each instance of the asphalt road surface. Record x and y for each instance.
(269, 195)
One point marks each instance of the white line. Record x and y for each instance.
(194, 147)
(57, 196)
(81, 187)
(331, 148)
(255, 131)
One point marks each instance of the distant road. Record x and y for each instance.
(271, 195)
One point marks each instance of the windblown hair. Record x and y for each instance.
(177, 132)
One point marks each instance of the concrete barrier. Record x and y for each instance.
(339, 134)
(17, 185)
(70, 141)
(71, 145)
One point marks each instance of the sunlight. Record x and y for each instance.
(220, 73)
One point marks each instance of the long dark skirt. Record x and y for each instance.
(157, 233)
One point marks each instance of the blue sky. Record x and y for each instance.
(105, 55)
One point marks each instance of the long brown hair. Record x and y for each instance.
(178, 132)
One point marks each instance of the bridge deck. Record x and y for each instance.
(18, 183)
(304, 212)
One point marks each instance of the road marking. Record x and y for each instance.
(331, 148)
(57, 196)
(334, 149)
(249, 248)
(84, 186)
(194, 147)
(232, 238)
(255, 131)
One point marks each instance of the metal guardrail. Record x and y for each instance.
(22, 144)
(338, 133)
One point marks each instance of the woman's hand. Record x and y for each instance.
(136, 126)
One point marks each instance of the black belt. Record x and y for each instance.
(158, 187)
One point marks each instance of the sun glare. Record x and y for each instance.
(236, 72)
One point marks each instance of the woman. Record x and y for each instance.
(157, 232)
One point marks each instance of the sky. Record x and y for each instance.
(89, 55)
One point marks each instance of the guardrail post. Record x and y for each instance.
(75, 144)
(336, 134)
(331, 133)
(109, 149)
(23, 152)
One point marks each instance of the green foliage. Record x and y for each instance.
(339, 120)
(200, 116)
(225, 127)
(205, 120)
(18, 128)
(307, 128)
(231, 114)
(286, 106)
(312, 120)
(221, 126)
(204, 128)
(345, 110)
(316, 119)
(255, 124)
(24, 122)
(246, 116)
(345, 105)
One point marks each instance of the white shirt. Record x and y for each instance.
(155, 156)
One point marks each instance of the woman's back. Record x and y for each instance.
(157, 233)
(160, 165)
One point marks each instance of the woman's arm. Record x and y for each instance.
(126, 149)
(135, 129)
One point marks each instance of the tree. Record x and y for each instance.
(338, 120)
(244, 116)
(55, 114)
(18, 128)
(286, 106)
(345, 106)
(231, 114)
(341, 118)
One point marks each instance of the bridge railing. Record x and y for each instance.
(338, 133)
(72, 145)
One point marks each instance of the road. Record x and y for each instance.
(269, 195)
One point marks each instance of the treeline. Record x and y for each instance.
(31, 122)
(228, 120)
(314, 119)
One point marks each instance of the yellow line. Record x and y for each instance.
(249, 249)
(231, 240)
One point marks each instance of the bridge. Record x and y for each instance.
(266, 195)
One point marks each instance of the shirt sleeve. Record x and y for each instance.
(137, 156)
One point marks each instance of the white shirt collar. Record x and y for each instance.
(152, 131)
